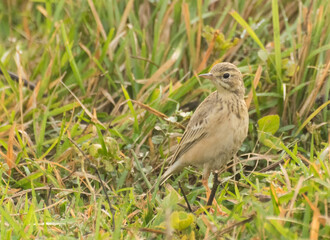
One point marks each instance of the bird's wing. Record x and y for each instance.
(196, 129)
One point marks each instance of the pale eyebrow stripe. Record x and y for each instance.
(226, 69)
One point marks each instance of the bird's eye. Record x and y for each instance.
(226, 75)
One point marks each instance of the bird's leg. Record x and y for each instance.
(185, 197)
(205, 184)
(205, 180)
(214, 189)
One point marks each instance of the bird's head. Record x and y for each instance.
(226, 76)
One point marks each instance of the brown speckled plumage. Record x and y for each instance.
(217, 128)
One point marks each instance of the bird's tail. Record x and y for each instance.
(177, 166)
(166, 176)
(168, 173)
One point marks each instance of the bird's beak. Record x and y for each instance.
(206, 75)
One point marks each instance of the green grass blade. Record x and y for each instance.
(11, 83)
(247, 27)
(130, 106)
(72, 62)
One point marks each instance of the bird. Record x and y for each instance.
(217, 128)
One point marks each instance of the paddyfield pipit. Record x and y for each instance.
(217, 129)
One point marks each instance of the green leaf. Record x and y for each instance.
(263, 55)
(269, 124)
(181, 220)
(157, 139)
(26, 182)
(269, 140)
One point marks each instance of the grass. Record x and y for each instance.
(116, 81)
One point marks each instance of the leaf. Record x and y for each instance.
(181, 220)
(171, 200)
(157, 139)
(26, 182)
(94, 150)
(269, 140)
(263, 55)
(269, 124)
